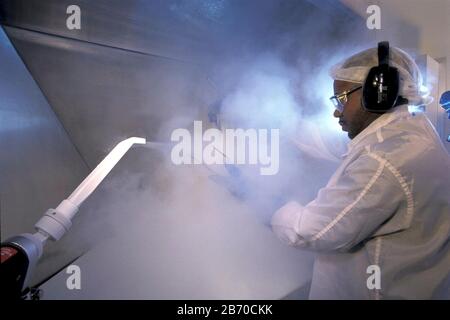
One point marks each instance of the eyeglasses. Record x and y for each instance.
(339, 100)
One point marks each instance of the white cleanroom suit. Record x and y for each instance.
(386, 212)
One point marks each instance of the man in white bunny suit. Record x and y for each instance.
(381, 226)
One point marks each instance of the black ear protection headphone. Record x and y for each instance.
(381, 87)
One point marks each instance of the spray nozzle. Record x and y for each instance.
(57, 221)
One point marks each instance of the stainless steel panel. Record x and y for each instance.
(103, 95)
(39, 165)
(191, 30)
(153, 27)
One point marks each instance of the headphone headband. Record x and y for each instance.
(383, 53)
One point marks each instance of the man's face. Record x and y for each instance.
(354, 118)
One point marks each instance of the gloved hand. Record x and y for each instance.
(266, 210)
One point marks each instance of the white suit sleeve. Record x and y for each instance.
(344, 213)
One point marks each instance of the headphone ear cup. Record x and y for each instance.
(380, 89)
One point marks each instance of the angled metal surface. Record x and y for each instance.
(152, 27)
(39, 165)
(103, 95)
